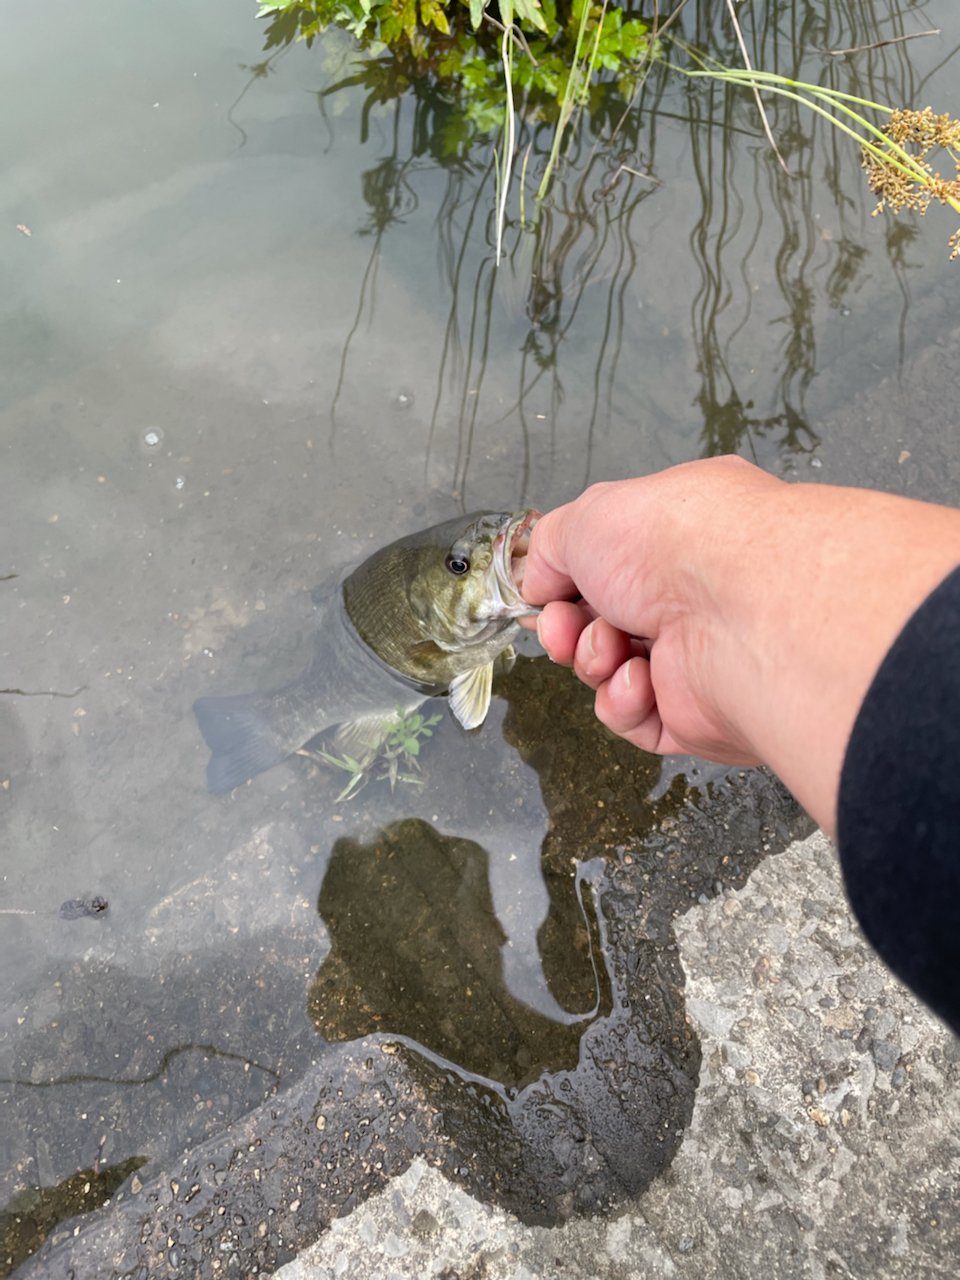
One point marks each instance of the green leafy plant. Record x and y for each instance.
(551, 54)
(397, 748)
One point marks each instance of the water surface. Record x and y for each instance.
(241, 347)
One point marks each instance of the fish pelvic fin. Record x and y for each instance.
(470, 695)
(504, 662)
(239, 738)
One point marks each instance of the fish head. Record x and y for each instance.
(465, 590)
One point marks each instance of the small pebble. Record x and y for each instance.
(885, 1054)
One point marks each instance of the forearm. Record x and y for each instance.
(836, 574)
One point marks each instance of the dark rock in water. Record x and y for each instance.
(77, 907)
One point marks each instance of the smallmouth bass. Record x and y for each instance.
(429, 614)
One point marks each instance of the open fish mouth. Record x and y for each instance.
(510, 555)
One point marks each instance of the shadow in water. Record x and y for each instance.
(579, 1092)
(584, 1111)
(416, 950)
(36, 1211)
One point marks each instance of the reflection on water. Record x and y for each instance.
(416, 950)
(770, 252)
(35, 1211)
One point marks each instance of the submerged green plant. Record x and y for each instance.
(397, 747)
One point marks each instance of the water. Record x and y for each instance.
(240, 348)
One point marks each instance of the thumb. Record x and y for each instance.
(546, 574)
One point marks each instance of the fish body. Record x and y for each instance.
(429, 614)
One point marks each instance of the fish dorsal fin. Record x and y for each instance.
(470, 695)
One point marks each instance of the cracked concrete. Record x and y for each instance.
(825, 1139)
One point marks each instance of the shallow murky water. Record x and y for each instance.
(242, 347)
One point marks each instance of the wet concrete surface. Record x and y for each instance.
(824, 1139)
(824, 1142)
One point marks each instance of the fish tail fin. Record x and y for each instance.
(239, 738)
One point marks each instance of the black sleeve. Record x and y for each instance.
(899, 805)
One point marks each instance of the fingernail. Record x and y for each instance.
(589, 635)
(541, 639)
(626, 673)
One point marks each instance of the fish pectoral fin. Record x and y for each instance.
(504, 662)
(470, 695)
(426, 648)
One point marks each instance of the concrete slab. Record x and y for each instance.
(825, 1139)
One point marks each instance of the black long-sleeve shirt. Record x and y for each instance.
(899, 805)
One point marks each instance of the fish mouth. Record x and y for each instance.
(510, 557)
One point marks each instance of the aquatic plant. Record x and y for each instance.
(564, 47)
(573, 264)
(894, 152)
(906, 180)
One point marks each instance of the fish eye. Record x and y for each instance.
(458, 564)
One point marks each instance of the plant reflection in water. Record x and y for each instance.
(581, 243)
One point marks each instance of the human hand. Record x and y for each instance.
(725, 613)
(634, 636)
